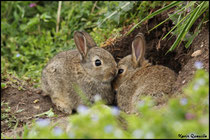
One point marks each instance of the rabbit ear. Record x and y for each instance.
(80, 42)
(89, 39)
(138, 50)
(83, 42)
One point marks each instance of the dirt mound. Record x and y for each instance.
(24, 103)
(200, 44)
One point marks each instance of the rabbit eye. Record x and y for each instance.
(120, 71)
(97, 62)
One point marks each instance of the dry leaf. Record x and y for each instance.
(196, 53)
(37, 100)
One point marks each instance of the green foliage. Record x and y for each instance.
(184, 23)
(29, 38)
(184, 16)
(7, 117)
(154, 14)
(48, 113)
(3, 85)
(116, 11)
(10, 79)
(186, 116)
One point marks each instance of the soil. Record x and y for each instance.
(25, 104)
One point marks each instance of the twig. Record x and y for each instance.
(9, 10)
(114, 13)
(39, 27)
(58, 15)
(94, 6)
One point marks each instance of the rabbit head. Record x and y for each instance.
(130, 63)
(97, 62)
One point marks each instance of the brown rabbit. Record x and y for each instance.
(137, 77)
(89, 69)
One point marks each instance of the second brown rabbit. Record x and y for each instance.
(137, 77)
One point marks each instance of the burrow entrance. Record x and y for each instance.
(156, 47)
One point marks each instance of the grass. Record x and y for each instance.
(7, 117)
(29, 38)
(184, 22)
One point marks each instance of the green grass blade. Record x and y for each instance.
(196, 33)
(179, 21)
(191, 39)
(193, 19)
(183, 32)
(190, 4)
(159, 24)
(113, 13)
(194, 16)
(176, 25)
(154, 14)
(161, 10)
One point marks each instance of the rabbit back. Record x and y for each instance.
(58, 77)
(155, 81)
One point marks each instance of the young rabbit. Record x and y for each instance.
(137, 77)
(89, 69)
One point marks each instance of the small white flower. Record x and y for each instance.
(94, 117)
(196, 87)
(108, 129)
(97, 98)
(149, 135)
(18, 55)
(177, 125)
(82, 109)
(33, 133)
(71, 135)
(137, 133)
(183, 101)
(57, 131)
(43, 122)
(200, 81)
(198, 65)
(115, 111)
(118, 133)
(141, 103)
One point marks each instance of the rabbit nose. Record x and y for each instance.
(115, 91)
(114, 72)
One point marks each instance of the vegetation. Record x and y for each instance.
(29, 39)
(183, 117)
(184, 16)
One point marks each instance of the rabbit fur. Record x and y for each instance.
(73, 69)
(139, 77)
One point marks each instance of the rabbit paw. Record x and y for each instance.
(62, 105)
(64, 109)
